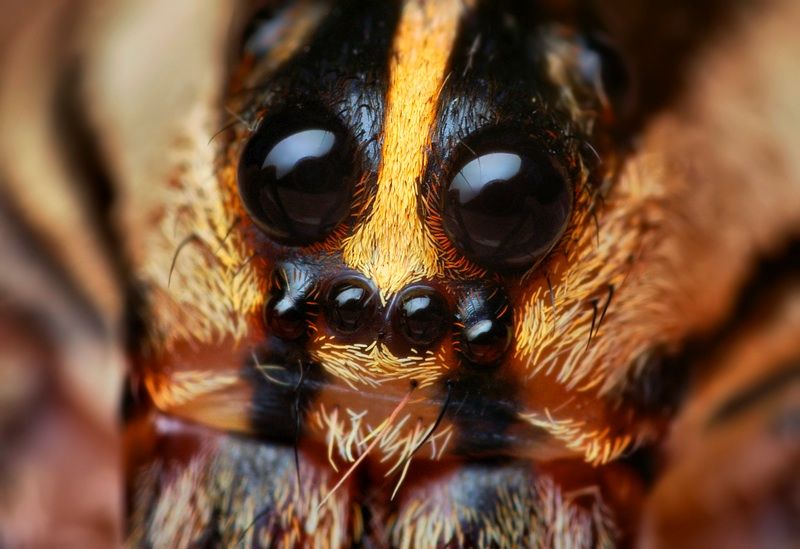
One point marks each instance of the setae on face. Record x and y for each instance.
(420, 273)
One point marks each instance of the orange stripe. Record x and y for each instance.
(393, 247)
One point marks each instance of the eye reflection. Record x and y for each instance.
(296, 181)
(505, 209)
(484, 171)
(287, 154)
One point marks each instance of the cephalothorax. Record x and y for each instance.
(412, 270)
(424, 276)
(413, 273)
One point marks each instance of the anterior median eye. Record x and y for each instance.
(296, 178)
(506, 207)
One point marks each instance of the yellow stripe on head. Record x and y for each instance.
(393, 247)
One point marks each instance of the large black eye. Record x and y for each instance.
(507, 204)
(296, 178)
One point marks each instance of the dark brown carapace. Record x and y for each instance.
(419, 292)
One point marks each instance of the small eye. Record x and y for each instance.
(604, 67)
(507, 205)
(296, 178)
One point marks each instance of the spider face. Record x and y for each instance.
(402, 186)
(400, 273)
(408, 208)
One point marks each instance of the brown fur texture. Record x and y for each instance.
(653, 257)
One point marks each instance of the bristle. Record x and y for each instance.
(376, 439)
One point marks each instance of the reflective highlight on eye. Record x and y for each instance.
(293, 150)
(485, 171)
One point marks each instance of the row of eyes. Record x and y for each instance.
(503, 206)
